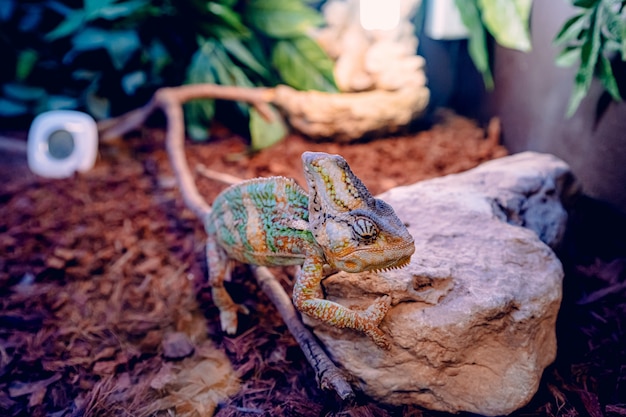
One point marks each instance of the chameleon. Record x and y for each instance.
(338, 224)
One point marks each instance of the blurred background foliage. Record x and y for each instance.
(106, 57)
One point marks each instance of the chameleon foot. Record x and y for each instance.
(228, 317)
(371, 319)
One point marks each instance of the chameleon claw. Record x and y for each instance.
(373, 316)
(377, 311)
(228, 321)
(228, 318)
(243, 309)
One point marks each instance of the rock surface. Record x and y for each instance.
(473, 319)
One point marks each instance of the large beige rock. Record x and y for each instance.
(473, 319)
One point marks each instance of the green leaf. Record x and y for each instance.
(282, 18)
(72, 22)
(613, 24)
(265, 133)
(92, 6)
(238, 50)
(23, 92)
(228, 16)
(477, 42)
(578, 93)
(132, 81)
(586, 3)
(199, 113)
(605, 74)
(227, 73)
(10, 108)
(26, 60)
(571, 29)
(568, 56)
(507, 20)
(58, 102)
(590, 51)
(120, 44)
(303, 64)
(115, 11)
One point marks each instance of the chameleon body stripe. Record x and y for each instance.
(254, 222)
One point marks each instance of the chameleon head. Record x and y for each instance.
(356, 231)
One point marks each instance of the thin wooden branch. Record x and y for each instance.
(217, 176)
(259, 97)
(328, 375)
(170, 101)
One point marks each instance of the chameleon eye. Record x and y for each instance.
(364, 229)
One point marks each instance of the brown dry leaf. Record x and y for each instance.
(18, 388)
(196, 385)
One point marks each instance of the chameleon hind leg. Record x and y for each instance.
(307, 297)
(219, 271)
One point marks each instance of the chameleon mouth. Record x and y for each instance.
(397, 265)
(379, 260)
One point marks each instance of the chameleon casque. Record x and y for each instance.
(274, 222)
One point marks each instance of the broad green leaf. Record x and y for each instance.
(264, 133)
(238, 50)
(568, 56)
(120, 44)
(227, 73)
(282, 18)
(228, 16)
(132, 81)
(58, 102)
(117, 11)
(92, 6)
(26, 60)
(586, 3)
(477, 42)
(10, 108)
(605, 74)
(572, 28)
(22, 92)
(303, 64)
(199, 113)
(507, 20)
(72, 22)
(523, 8)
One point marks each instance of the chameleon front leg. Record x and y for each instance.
(307, 297)
(218, 265)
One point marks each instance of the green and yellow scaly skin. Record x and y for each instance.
(274, 222)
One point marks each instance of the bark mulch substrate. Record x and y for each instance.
(102, 310)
